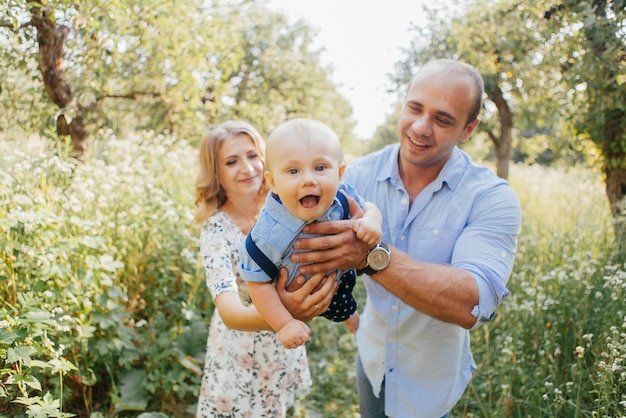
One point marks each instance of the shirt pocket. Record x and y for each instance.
(433, 244)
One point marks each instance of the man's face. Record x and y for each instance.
(433, 118)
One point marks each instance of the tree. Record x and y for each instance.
(168, 67)
(556, 69)
(590, 40)
(499, 39)
(276, 74)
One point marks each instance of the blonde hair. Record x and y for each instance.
(210, 192)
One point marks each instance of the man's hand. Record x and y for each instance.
(337, 248)
(306, 299)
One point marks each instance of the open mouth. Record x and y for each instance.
(309, 201)
(417, 144)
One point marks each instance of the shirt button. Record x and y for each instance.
(404, 201)
(402, 238)
(503, 254)
(391, 339)
(394, 308)
(435, 232)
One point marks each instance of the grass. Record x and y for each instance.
(102, 311)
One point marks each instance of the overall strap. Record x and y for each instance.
(261, 259)
(344, 203)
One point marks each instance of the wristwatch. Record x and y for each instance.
(378, 258)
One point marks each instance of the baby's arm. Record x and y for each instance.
(291, 331)
(353, 322)
(369, 227)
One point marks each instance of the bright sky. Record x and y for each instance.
(362, 40)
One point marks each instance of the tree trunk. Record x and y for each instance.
(615, 157)
(503, 144)
(51, 39)
(614, 129)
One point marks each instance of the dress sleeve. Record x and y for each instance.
(219, 252)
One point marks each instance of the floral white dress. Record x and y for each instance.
(246, 374)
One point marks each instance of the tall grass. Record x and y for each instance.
(99, 280)
(103, 310)
(557, 347)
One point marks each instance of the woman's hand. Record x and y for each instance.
(306, 299)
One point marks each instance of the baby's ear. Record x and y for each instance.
(269, 179)
(342, 169)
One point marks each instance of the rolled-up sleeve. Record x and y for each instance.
(487, 245)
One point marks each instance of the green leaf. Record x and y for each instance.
(38, 315)
(93, 242)
(29, 380)
(7, 337)
(39, 363)
(134, 396)
(108, 263)
(22, 199)
(21, 353)
(61, 365)
(32, 382)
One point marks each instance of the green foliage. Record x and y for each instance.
(98, 262)
(171, 67)
(556, 347)
(559, 69)
(104, 312)
(332, 354)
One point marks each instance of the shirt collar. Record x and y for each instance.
(280, 214)
(451, 173)
(276, 210)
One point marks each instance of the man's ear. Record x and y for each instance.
(342, 169)
(469, 129)
(269, 179)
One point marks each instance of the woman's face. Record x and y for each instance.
(240, 166)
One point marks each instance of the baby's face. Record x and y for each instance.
(305, 173)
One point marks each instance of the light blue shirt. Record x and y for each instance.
(467, 218)
(275, 232)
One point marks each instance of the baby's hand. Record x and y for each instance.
(367, 233)
(353, 322)
(294, 333)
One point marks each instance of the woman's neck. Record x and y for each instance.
(243, 211)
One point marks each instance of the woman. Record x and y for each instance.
(247, 372)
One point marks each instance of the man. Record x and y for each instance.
(451, 228)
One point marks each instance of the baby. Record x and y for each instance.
(305, 165)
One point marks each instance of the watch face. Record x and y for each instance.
(378, 259)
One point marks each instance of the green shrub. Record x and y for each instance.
(106, 248)
(104, 311)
